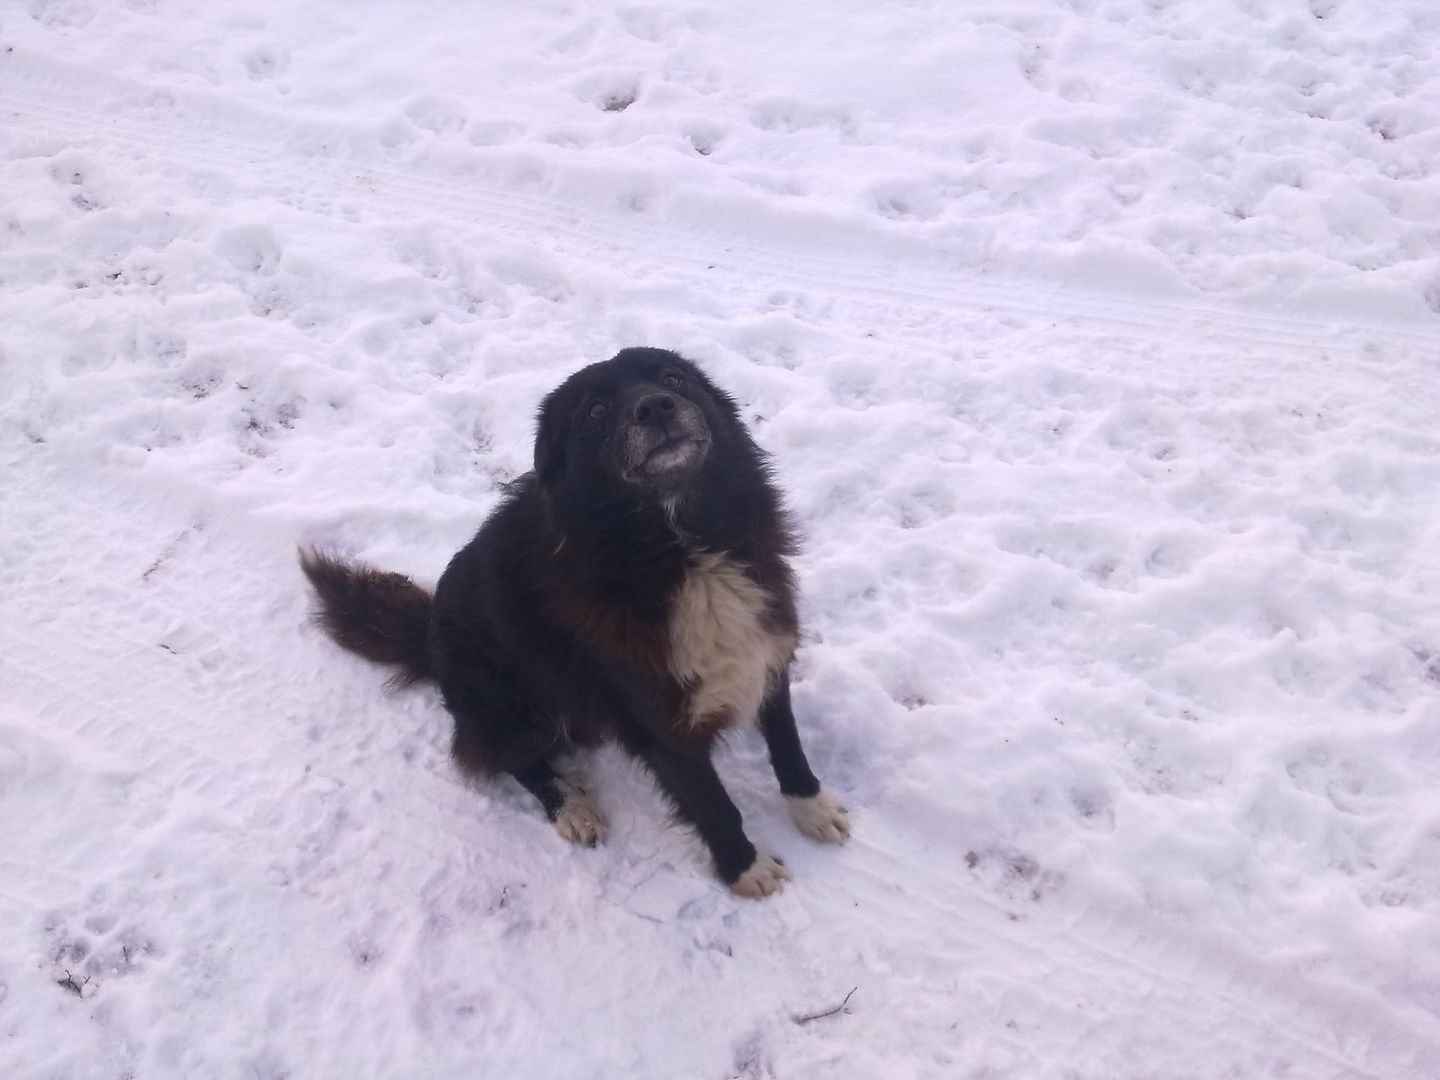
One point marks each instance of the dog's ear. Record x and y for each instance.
(551, 430)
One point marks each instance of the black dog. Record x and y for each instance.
(634, 586)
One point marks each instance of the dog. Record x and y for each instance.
(636, 587)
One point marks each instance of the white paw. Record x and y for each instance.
(766, 875)
(579, 819)
(821, 817)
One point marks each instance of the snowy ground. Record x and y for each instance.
(1095, 342)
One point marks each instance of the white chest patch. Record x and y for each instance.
(719, 643)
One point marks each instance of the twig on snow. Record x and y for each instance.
(828, 1012)
(69, 983)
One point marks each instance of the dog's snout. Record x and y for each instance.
(654, 409)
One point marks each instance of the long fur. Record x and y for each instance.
(635, 586)
(381, 616)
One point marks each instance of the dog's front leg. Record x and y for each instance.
(816, 812)
(689, 779)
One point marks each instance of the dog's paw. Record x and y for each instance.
(578, 819)
(821, 817)
(766, 875)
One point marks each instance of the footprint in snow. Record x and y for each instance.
(251, 248)
(791, 116)
(704, 139)
(609, 91)
(906, 201)
(439, 114)
(264, 62)
(70, 172)
(103, 947)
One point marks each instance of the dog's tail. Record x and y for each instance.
(381, 616)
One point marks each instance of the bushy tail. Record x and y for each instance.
(381, 616)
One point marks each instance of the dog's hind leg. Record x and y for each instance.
(816, 812)
(498, 730)
(567, 804)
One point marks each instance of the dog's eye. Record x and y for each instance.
(670, 380)
(598, 410)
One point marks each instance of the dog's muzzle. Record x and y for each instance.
(664, 441)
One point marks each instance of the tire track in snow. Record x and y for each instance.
(200, 130)
(1057, 944)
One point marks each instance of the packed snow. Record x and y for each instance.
(1095, 343)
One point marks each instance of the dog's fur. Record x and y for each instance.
(635, 586)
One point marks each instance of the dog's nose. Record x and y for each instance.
(654, 409)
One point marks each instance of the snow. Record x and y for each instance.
(1095, 345)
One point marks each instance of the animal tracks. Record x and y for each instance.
(211, 137)
(1093, 570)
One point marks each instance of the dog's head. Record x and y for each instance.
(646, 419)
